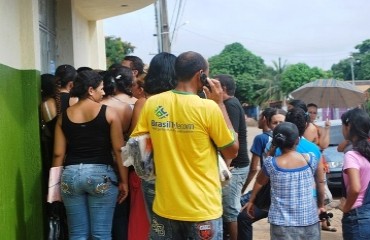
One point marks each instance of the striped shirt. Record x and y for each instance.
(292, 203)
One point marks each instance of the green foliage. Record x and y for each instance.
(243, 65)
(361, 64)
(299, 74)
(116, 49)
(364, 47)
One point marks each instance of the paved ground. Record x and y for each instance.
(262, 227)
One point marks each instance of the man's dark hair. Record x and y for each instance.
(188, 64)
(298, 117)
(135, 63)
(228, 82)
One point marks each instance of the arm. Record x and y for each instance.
(353, 188)
(117, 143)
(253, 169)
(126, 115)
(60, 144)
(324, 134)
(311, 133)
(136, 113)
(261, 180)
(320, 183)
(231, 151)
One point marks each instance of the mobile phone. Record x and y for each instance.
(203, 79)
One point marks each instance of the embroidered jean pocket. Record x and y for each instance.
(67, 183)
(100, 184)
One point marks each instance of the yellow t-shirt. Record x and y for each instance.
(185, 130)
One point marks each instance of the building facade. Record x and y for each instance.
(37, 36)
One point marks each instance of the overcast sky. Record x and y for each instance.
(316, 32)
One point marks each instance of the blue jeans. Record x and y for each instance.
(89, 195)
(164, 229)
(245, 229)
(231, 194)
(149, 193)
(311, 232)
(356, 223)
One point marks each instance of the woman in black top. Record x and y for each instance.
(85, 136)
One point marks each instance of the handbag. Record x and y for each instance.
(54, 228)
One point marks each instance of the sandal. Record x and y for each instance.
(329, 229)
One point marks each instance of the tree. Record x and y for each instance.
(361, 64)
(299, 74)
(243, 65)
(116, 49)
(271, 83)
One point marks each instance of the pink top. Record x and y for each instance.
(353, 159)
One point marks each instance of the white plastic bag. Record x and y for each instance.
(224, 171)
(138, 152)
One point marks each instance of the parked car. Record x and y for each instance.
(332, 156)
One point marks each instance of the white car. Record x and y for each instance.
(332, 156)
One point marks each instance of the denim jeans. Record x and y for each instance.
(231, 194)
(245, 229)
(149, 193)
(356, 223)
(164, 229)
(311, 232)
(89, 194)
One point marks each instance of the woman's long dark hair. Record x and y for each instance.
(161, 74)
(359, 122)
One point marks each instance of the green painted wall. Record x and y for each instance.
(21, 213)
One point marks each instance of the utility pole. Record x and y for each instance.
(164, 33)
(158, 26)
(352, 60)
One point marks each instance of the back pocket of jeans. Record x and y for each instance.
(99, 184)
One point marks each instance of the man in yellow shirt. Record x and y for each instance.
(186, 132)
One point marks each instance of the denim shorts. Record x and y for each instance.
(311, 232)
(164, 228)
(231, 194)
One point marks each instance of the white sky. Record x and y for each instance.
(317, 32)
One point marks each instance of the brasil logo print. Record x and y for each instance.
(160, 112)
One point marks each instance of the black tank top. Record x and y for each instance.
(64, 101)
(89, 142)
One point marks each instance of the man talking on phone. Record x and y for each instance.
(186, 133)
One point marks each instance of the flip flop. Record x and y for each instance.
(329, 229)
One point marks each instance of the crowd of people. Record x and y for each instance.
(88, 115)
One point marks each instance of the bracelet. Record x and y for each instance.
(323, 181)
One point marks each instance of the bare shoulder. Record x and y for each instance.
(139, 103)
